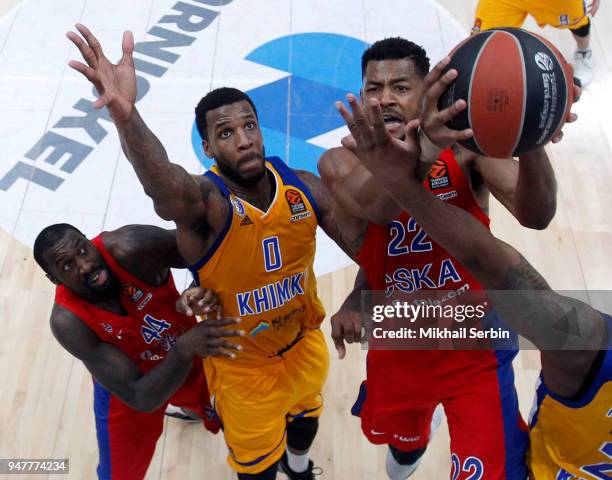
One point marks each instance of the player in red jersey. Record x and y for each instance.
(570, 428)
(476, 388)
(115, 311)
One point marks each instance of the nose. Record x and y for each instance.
(244, 141)
(386, 98)
(85, 267)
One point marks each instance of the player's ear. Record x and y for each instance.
(361, 95)
(207, 150)
(53, 280)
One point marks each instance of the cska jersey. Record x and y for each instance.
(152, 325)
(261, 266)
(572, 439)
(402, 257)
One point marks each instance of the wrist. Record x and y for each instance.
(183, 348)
(127, 121)
(430, 152)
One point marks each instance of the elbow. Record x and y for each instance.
(541, 219)
(163, 211)
(144, 404)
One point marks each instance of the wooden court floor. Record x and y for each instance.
(46, 396)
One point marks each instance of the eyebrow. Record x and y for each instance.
(224, 121)
(403, 78)
(60, 257)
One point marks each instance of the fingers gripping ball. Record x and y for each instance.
(518, 88)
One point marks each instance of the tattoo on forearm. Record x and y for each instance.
(158, 176)
(523, 277)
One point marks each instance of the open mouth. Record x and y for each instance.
(98, 278)
(392, 119)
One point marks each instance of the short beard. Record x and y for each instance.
(237, 178)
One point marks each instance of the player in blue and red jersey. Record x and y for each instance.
(115, 311)
(403, 388)
(570, 422)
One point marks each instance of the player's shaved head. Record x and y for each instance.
(47, 239)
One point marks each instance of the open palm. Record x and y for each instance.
(116, 84)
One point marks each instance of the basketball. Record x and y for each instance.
(518, 88)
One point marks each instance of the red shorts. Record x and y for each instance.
(127, 438)
(476, 388)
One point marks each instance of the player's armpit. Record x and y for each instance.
(146, 251)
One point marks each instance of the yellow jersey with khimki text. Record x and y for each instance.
(261, 267)
(572, 439)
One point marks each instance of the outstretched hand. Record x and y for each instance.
(433, 121)
(116, 84)
(210, 337)
(389, 159)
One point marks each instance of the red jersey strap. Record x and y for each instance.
(447, 181)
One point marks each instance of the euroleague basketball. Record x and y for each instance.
(518, 89)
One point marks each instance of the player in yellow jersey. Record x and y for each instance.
(248, 229)
(572, 420)
(570, 14)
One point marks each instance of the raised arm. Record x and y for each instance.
(122, 377)
(176, 195)
(527, 188)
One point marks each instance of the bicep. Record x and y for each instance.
(183, 198)
(354, 188)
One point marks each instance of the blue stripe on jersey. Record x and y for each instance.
(303, 413)
(541, 392)
(101, 411)
(218, 182)
(213, 248)
(290, 178)
(516, 440)
(361, 398)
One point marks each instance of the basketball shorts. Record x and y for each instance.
(254, 403)
(127, 438)
(512, 13)
(489, 438)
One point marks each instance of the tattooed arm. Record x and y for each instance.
(175, 193)
(345, 230)
(190, 202)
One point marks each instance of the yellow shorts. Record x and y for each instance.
(255, 402)
(512, 13)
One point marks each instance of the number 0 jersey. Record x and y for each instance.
(572, 439)
(261, 266)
